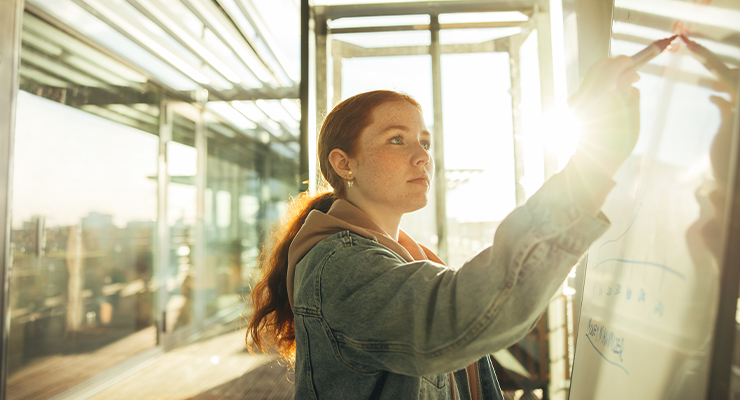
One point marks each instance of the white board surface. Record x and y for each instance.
(651, 284)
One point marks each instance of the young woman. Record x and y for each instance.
(364, 312)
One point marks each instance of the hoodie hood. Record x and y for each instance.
(344, 216)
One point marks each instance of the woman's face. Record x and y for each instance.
(393, 167)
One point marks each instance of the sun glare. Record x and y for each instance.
(562, 130)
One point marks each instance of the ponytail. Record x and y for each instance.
(271, 323)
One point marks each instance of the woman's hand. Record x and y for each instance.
(608, 107)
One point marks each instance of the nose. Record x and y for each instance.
(422, 156)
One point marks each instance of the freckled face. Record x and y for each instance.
(393, 167)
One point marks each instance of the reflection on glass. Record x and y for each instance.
(182, 159)
(247, 186)
(82, 238)
(73, 15)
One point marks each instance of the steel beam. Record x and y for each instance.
(348, 50)
(321, 68)
(547, 78)
(424, 27)
(440, 179)
(303, 167)
(424, 7)
(516, 116)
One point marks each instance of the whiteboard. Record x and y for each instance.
(651, 283)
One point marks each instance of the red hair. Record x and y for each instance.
(271, 324)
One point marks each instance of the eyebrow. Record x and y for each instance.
(402, 128)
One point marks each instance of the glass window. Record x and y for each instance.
(84, 213)
(247, 186)
(479, 149)
(83, 223)
(73, 15)
(182, 159)
(407, 74)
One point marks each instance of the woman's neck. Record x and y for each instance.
(387, 220)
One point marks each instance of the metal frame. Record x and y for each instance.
(423, 7)
(303, 168)
(163, 231)
(11, 12)
(725, 327)
(339, 50)
(440, 180)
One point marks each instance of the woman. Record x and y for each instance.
(365, 312)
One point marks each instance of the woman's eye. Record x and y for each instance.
(426, 145)
(397, 140)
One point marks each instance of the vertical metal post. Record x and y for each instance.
(515, 43)
(337, 77)
(547, 79)
(594, 20)
(303, 94)
(321, 70)
(440, 179)
(201, 148)
(163, 229)
(11, 14)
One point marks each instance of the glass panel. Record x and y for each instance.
(407, 74)
(82, 240)
(182, 166)
(234, 217)
(53, 62)
(654, 280)
(73, 15)
(282, 24)
(479, 149)
(533, 149)
(246, 189)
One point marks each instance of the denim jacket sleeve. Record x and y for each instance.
(421, 318)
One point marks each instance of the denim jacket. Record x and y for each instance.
(371, 325)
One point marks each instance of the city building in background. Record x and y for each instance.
(156, 145)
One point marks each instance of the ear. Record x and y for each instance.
(340, 162)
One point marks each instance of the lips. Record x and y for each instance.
(423, 180)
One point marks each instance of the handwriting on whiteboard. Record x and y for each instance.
(609, 344)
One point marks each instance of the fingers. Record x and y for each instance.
(615, 68)
(607, 74)
(725, 107)
(627, 78)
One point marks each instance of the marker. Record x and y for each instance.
(650, 52)
(710, 61)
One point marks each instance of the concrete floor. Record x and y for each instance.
(219, 367)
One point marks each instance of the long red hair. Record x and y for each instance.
(271, 324)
